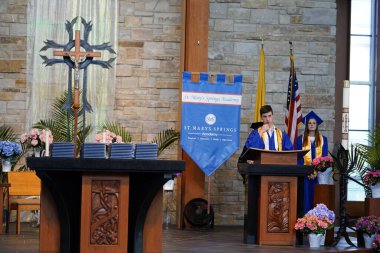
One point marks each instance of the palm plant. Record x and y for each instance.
(61, 123)
(371, 153)
(7, 133)
(165, 139)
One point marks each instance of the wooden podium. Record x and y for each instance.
(274, 196)
(102, 205)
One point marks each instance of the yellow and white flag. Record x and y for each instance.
(260, 94)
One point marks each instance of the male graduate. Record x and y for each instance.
(268, 136)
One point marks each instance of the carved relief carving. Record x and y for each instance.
(104, 212)
(278, 207)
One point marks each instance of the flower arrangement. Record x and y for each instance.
(108, 137)
(35, 138)
(372, 177)
(369, 224)
(376, 243)
(316, 221)
(322, 163)
(9, 149)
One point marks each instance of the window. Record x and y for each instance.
(361, 79)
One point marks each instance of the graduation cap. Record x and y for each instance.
(256, 125)
(312, 115)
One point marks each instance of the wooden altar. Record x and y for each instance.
(102, 205)
(274, 196)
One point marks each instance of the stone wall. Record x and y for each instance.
(13, 90)
(235, 31)
(148, 75)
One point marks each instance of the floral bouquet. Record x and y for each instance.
(372, 177)
(376, 243)
(321, 211)
(369, 224)
(310, 223)
(322, 163)
(108, 137)
(9, 149)
(35, 138)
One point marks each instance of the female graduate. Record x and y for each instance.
(318, 145)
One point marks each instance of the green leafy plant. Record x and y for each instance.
(7, 133)
(61, 123)
(371, 152)
(165, 139)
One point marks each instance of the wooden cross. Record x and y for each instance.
(77, 54)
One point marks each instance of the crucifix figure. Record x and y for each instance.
(76, 60)
(78, 56)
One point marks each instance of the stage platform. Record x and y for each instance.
(222, 239)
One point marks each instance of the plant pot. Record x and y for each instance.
(6, 164)
(324, 177)
(37, 152)
(323, 239)
(314, 240)
(375, 190)
(368, 240)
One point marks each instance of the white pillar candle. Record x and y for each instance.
(104, 137)
(345, 113)
(47, 133)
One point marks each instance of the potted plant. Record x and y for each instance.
(376, 243)
(371, 155)
(323, 168)
(315, 223)
(36, 139)
(369, 226)
(9, 150)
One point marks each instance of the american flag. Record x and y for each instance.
(293, 104)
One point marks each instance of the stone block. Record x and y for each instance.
(260, 4)
(4, 30)
(226, 25)
(11, 66)
(18, 29)
(265, 16)
(144, 34)
(218, 11)
(123, 70)
(245, 47)
(319, 16)
(238, 14)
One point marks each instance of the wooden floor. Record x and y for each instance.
(221, 239)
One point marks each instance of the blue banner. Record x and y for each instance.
(210, 119)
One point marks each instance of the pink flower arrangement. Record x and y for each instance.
(372, 177)
(322, 163)
(376, 243)
(312, 224)
(108, 137)
(35, 138)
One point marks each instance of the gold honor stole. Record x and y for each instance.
(318, 150)
(277, 140)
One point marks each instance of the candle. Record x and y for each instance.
(345, 113)
(104, 137)
(47, 133)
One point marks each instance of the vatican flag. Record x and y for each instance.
(260, 94)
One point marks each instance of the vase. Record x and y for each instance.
(37, 152)
(375, 190)
(324, 177)
(368, 240)
(323, 239)
(6, 164)
(315, 240)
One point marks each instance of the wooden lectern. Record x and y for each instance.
(274, 196)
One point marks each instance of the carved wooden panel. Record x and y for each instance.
(105, 212)
(278, 210)
(278, 207)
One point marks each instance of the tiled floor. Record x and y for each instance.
(222, 239)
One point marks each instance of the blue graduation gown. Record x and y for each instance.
(308, 196)
(254, 140)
